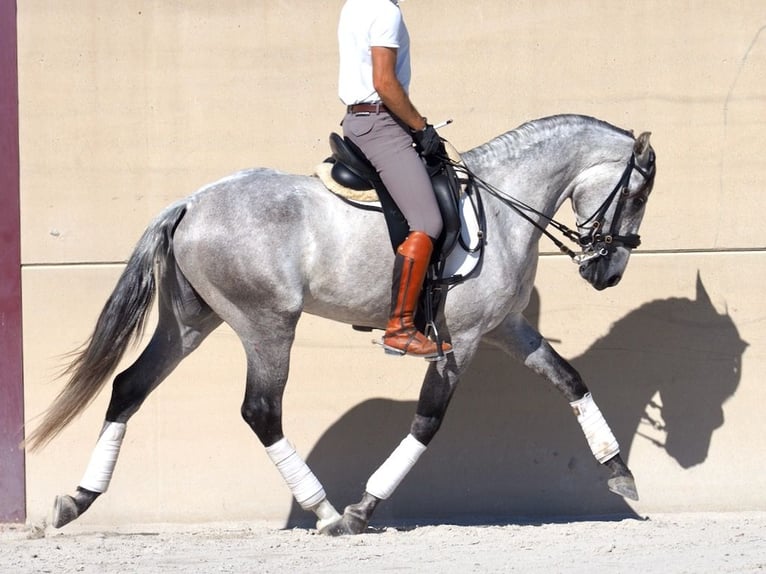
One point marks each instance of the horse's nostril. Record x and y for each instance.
(614, 280)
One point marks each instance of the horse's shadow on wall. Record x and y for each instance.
(510, 448)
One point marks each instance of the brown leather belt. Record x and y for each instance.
(367, 108)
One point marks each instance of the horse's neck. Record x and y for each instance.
(542, 183)
(539, 162)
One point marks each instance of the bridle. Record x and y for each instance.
(593, 242)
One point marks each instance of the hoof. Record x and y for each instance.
(348, 524)
(64, 510)
(625, 486)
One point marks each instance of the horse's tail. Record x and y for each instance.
(121, 322)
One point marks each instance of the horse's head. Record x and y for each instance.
(608, 225)
(706, 373)
(678, 361)
(682, 361)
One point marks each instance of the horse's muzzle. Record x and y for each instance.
(597, 272)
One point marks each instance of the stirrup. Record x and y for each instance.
(439, 355)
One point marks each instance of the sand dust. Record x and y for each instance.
(667, 543)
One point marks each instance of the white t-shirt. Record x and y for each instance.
(363, 24)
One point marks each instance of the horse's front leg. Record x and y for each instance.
(435, 395)
(517, 337)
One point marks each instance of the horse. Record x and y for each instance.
(260, 247)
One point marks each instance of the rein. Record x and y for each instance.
(593, 244)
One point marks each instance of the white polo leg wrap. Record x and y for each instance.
(306, 489)
(384, 481)
(98, 474)
(602, 442)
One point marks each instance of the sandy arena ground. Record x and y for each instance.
(667, 543)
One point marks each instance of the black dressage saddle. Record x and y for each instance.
(353, 170)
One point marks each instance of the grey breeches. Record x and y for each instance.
(388, 146)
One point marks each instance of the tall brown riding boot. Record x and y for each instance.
(410, 267)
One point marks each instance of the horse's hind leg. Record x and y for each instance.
(517, 337)
(184, 321)
(268, 355)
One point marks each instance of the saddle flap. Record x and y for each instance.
(447, 193)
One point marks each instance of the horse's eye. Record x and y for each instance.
(639, 201)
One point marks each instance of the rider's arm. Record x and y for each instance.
(390, 90)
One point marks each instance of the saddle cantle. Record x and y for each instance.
(351, 168)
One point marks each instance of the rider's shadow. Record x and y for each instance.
(510, 448)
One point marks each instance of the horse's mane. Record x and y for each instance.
(535, 132)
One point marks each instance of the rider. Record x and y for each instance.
(382, 121)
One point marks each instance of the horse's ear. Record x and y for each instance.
(641, 147)
(702, 295)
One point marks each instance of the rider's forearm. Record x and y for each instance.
(398, 102)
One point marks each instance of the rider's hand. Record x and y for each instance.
(428, 141)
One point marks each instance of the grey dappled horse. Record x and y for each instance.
(260, 247)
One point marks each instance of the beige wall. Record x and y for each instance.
(127, 106)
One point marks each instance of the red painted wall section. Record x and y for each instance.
(12, 487)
